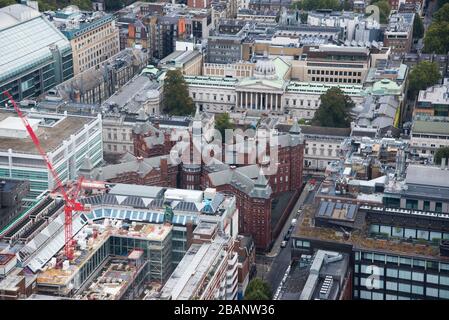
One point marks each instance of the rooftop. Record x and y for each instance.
(53, 275)
(59, 128)
(360, 239)
(432, 127)
(27, 38)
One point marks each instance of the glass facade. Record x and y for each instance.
(391, 277)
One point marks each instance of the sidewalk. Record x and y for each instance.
(277, 244)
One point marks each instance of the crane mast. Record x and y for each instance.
(70, 201)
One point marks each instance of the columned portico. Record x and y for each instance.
(263, 101)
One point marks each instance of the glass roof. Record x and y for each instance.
(27, 44)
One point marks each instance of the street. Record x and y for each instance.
(272, 266)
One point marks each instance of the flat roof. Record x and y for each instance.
(5, 258)
(57, 276)
(436, 127)
(50, 137)
(136, 190)
(427, 175)
(359, 239)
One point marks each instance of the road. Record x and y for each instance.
(272, 266)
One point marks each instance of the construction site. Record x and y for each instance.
(109, 251)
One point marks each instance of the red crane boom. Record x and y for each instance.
(71, 204)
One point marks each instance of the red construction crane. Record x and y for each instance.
(71, 204)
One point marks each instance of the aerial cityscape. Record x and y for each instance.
(224, 150)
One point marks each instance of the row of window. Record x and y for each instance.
(341, 80)
(336, 73)
(408, 233)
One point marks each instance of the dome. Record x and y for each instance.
(152, 94)
(71, 9)
(358, 108)
(265, 69)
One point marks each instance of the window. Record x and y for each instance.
(404, 287)
(438, 207)
(392, 259)
(410, 233)
(392, 285)
(426, 206)
(418, 276)
(444, 280)
(432, 278)
(406, 261)
(393, 273)
(444, 294)
(417, 289)
(365, 294)
(431, 292)
(407, 275)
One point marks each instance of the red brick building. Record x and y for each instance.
(199, 4)
(150, 141)
(155, 171)
(255, 192)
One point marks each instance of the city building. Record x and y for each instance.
(399, 32)
(95, 85)
(333, 64)
(321, 145)
(208, 270)
(268, 90)
(12, 192)
(434, 101)
(142, 92)
(67, 140)
(131, 243)
(189, 62)
(264, 199)
(154, 171)
(93, 36)
(35, 55)
(391, 222)
(325, 275)
(428, 134)
(225, 48)
(355, 26)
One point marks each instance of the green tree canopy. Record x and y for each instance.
(176, 95)
(422, 76)
(442, 153)
(223, 122)
(4, 3)
(436, 39)
(258, 289)
(384, 10)
(418, 27)
(335, 109)
(319, 4)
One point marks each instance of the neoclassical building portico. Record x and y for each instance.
(264, 91)
(269, 90)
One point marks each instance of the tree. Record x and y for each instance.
(418, 27)
(4, 3)
(442, 153)
(176, 95)
(335, 109)
(258, 289)
(384, 10)
(436, 39)
(223, 122)
(422, 76)
(319, 4)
